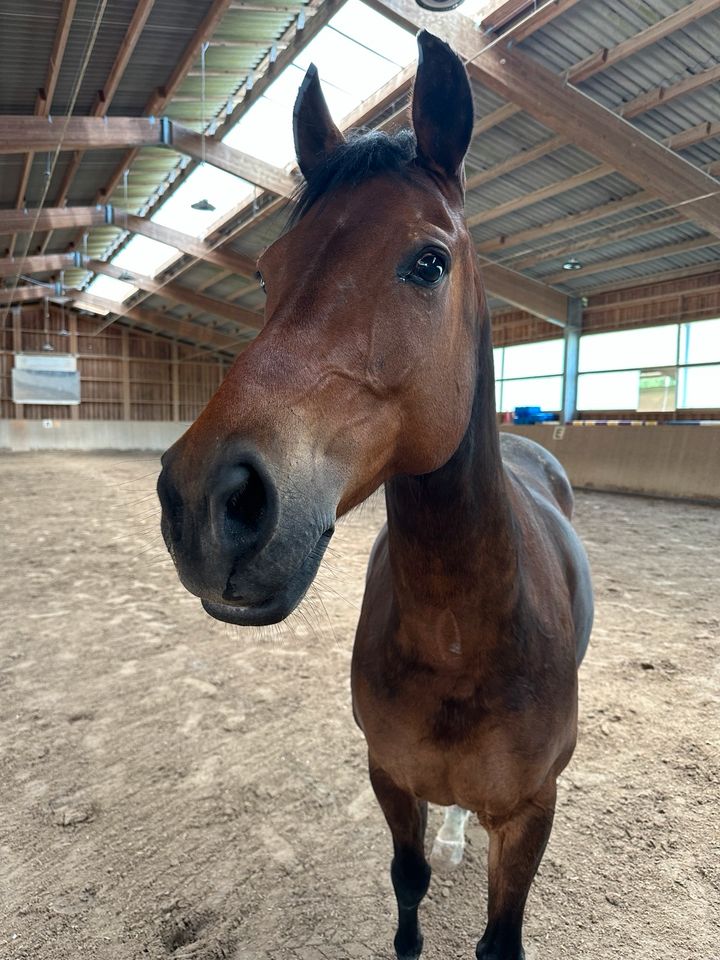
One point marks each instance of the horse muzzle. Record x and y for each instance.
(247, 539)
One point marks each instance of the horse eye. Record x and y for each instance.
(261, 280)
(429, 269)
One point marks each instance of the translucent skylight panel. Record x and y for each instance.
(357, 20)
(265, 132)
(110, 289)
(350, 72)
(347, 65)
(222, 190)
(145, 256)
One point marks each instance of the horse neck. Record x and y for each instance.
(450, 532)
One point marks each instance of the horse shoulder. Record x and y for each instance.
(552, 560)
(539, 469)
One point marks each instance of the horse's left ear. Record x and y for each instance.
(442, 108)
(315, 133)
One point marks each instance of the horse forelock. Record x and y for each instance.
(364, 154)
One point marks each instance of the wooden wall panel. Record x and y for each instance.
(124, 373)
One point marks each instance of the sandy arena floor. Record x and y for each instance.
(171, 787)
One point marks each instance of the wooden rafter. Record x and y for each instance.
(256, 171)
(45, 96)
(27, 293)
(543, 193)
(515, 162)
(52, 218)
(76, 133)
(541, 18)
(160, 99)
(595, 240)
(89, 133)
(605, 57)
(13, 267)
(698, 269)
(174, 326)
(659, 96)
(522, 80)
(200, 249)
(598, 61)
(105, 96)
(642, 256)
(317, 15)
(177, 293)
(532, 295)
(565, 223)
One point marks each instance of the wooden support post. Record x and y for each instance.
(570, 366)
(73, 331)
(125, 373)
(17, 348)
(175, 375)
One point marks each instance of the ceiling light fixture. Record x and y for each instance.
(203, 204)
(438, 6)
(572, 263)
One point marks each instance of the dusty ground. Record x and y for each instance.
(174, 788)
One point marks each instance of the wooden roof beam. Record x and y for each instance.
(543, 193)
(177, 293)
(45, 96)
(698, 269)
(25, 294)
(595, 240)
(13, 267)
(226, 259)
(641, 104)
(256, 171)
(540, 18)
(564, 223)
(76, 133)
(523, 292)
(161, 97)
(520, 79)
(659, 96)
(51, 218)
(642, 256)
(88, 133)
(604, 58)
(317, 14)
(105, 96)
(175, 327)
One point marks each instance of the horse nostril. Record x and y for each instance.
(247, 504)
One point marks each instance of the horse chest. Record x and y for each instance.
(453, 749)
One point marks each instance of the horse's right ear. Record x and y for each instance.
(442, 107)
(315, 133)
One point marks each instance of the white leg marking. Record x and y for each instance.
(447, 851)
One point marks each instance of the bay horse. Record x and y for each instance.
(375, 367)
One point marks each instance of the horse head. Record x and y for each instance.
(365, 368)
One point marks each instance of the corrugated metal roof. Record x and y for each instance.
(242, 39)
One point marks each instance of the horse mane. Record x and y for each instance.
(361, 156)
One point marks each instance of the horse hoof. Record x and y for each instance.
(485, 952)
(446, 855)
(405, 951)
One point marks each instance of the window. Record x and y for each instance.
(627, 349)
(622, 370)
(700, 342)
(699, 387)
(529, 375)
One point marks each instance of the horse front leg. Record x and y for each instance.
(516, 849)
(410, 871)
